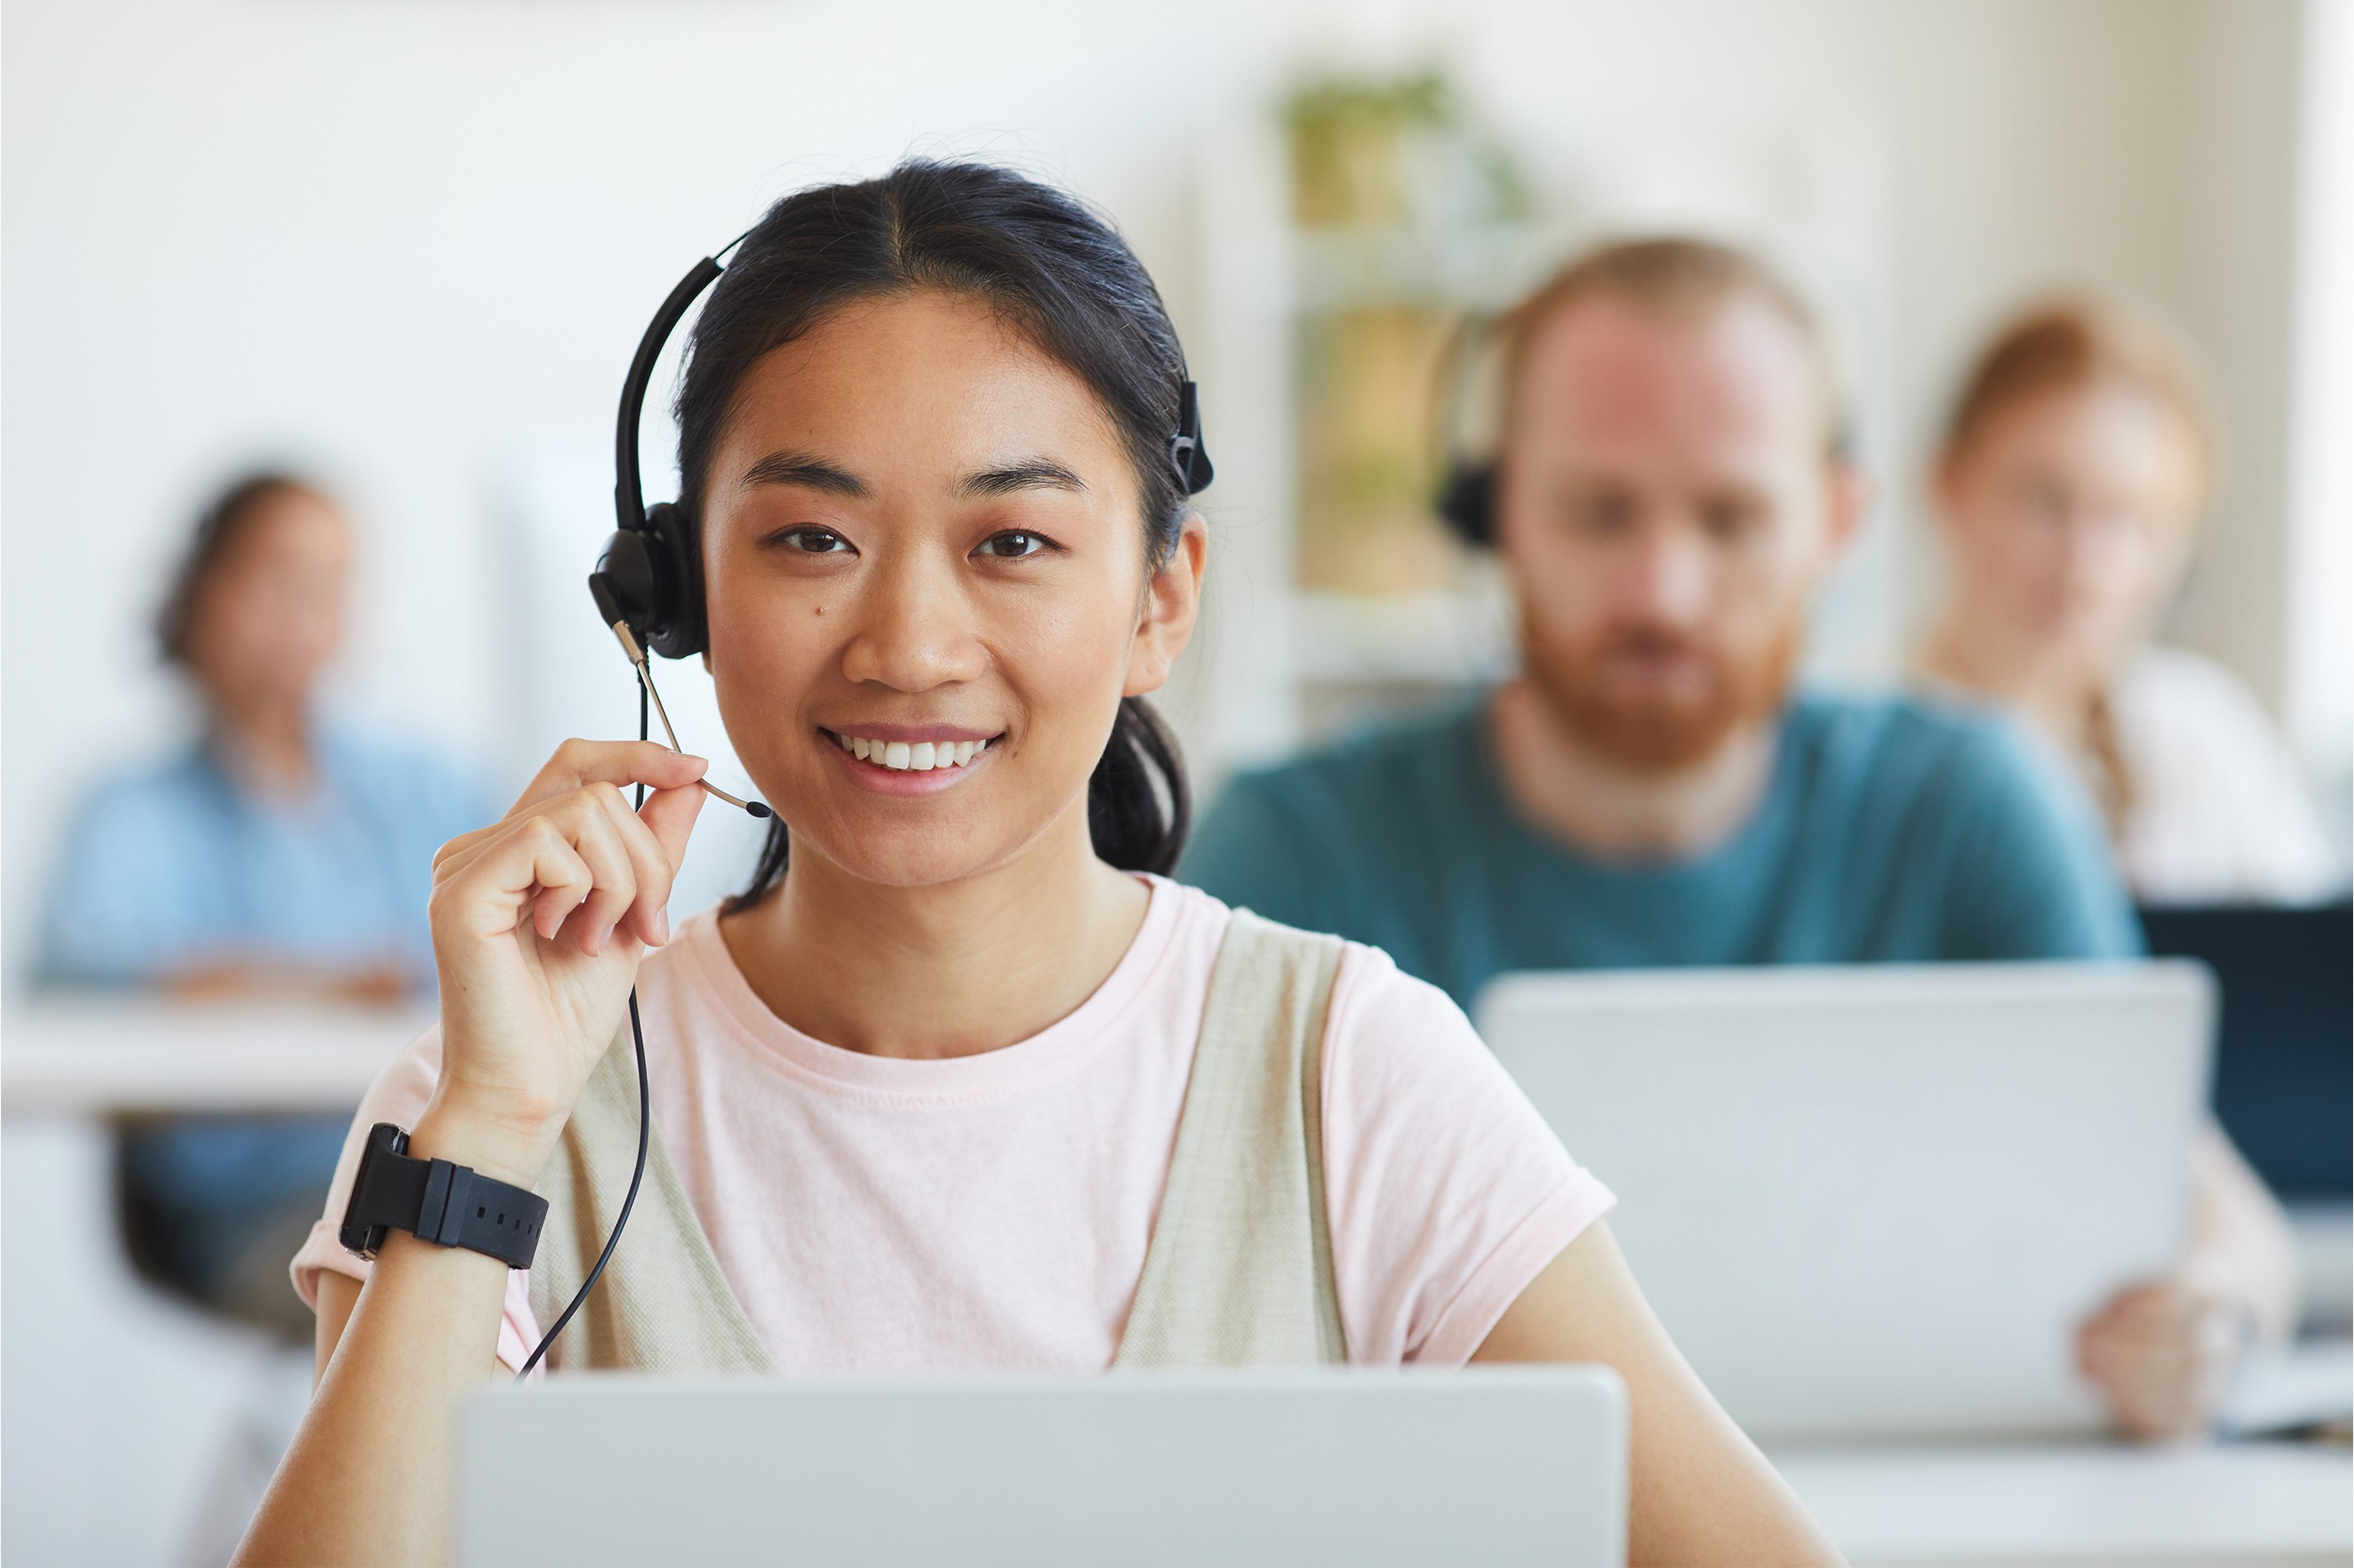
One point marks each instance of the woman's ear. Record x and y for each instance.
(1172, 599)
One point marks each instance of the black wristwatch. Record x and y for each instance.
(434, 1201)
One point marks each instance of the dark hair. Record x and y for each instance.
(218, 527)
(1056, 272)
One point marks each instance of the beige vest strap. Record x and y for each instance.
(662, 1305)
(1240, 1269)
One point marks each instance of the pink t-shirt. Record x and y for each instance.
(882, 1215)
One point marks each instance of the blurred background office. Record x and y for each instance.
(281, 855)
(416, 244)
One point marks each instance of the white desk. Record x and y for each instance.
(135, 1404)
(2087, 1506)
(96, 1057)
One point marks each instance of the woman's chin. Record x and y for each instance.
(904, 855)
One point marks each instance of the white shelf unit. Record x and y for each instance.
(1275, 665)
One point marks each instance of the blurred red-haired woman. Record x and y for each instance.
(2073, 469)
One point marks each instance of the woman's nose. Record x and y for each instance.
(915, 630)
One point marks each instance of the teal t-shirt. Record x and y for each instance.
(1893, 831)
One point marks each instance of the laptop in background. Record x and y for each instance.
(1878, 1199)
(2284, 1056)
(1522, 1465)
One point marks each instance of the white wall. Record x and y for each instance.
(2320, 698)
(415, 243)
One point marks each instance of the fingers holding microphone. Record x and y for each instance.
(571, 856)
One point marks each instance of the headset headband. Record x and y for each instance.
(647, 578)
(1187, 455)
(629, 495)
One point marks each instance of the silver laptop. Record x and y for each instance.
(1878, 1199)
(1485, 1465)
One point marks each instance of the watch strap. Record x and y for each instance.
(437, 1200)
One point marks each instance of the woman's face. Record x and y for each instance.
(2069, 518)
(269, 613)
(921, 533)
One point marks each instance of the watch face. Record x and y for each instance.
(385, 1143)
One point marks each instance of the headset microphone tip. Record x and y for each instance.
(758, 808)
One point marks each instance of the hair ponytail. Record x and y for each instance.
(1130, 826)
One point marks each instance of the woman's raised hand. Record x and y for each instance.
(539, 921)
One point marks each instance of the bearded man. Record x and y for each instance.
(1673, 483)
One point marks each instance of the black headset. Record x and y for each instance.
(1466, 501)
(648, 577)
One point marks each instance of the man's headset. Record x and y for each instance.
(647, 586)
(1466, 501)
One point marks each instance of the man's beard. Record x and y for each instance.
(1653, 732)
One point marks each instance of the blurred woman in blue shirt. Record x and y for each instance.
(281, 857)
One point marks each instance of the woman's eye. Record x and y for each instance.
(1012, 545)
(814, 541)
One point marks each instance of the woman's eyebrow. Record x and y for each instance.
(794, 468)
(1036, 473)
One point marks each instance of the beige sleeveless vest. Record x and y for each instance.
(1238, 1271)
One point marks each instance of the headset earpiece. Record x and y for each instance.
(676, 631)
(645, 579)
(1466, 500)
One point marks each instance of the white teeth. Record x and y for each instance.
(917, 756)
(844, 742)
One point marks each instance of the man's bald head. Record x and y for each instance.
(1680, 280)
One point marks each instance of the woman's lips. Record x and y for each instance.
(885, 759)
(910, 733)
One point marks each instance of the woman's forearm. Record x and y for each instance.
(1700, 1492)
(367, 1478)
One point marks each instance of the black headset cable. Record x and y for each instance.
(645, 1129)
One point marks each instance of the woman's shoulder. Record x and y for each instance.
(1398, 1027)
(165, 789)
(159, 828)
(410, 778)
(2190, 727)
(2175, 690)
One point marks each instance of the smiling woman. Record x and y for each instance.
(1085, 335)
(962, 1081)
(1017, 578)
